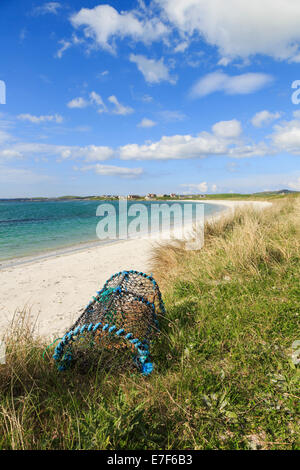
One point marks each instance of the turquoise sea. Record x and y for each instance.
(34, 228)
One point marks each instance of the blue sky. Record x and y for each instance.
(120, 97)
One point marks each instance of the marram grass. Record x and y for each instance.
(225, 376)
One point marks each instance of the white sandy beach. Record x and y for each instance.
(56, 289)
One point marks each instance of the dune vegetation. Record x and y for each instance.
(226, 367)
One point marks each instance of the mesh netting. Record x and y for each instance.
(122, 316)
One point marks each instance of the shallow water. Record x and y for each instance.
(31, 228)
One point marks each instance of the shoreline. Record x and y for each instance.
(80, 246)
(55, 289)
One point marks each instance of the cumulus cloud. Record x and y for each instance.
(145, 122)
(103, 24)
(39, 119)
(111, 170)
(231, 85)
(154, 71)
(119, 108)
(224, 139)
(227, 129)
(78, 103)
(286, 137)
(175, 147)
(239, 29)
(220, 142)
(264, 117)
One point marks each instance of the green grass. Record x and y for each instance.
(224, 376)
(265, 196)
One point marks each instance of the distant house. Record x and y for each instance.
(173, 195)
(134, 196)
(151, 196)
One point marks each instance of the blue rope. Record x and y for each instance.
(64, 358)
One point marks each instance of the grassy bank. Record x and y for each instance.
(225, 376)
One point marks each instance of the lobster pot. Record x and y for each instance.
(122, 317)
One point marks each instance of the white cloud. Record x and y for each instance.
(227, 129)
(65, 45)
(223, 141)
(104, 24)
(95, 98)
(9, 154)
(202, 187)
(4, 137)
(90, 153)
(231, 85)
(38, 119)
(295, 185)
(15, 175)
(286, 137)
(176, 147)
(119, 108)
(78, 103)
(111, 170)
(244, 150)
(224, 61)
(240, 28)
(145, 122)
(62, 152)
(154, 71)
(181, 47)
(264, 117)
(172, 116)
(147, 99)
(49, 7)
